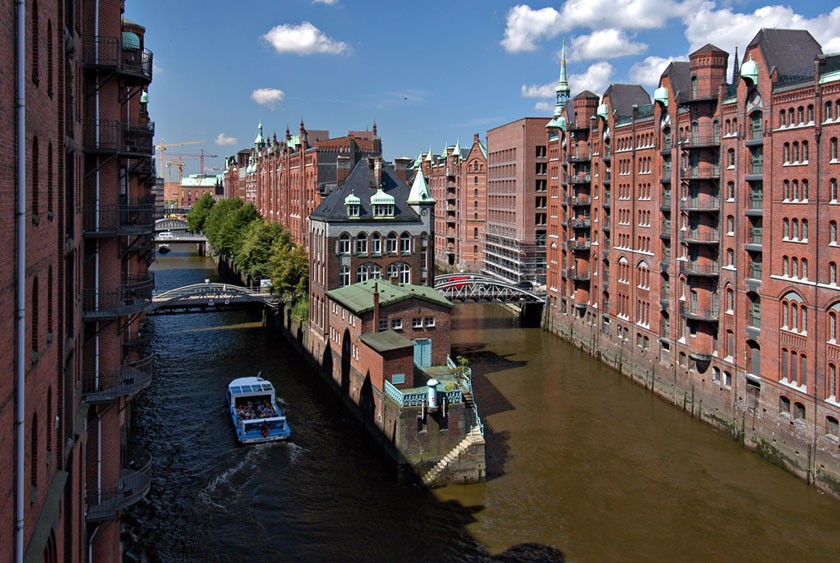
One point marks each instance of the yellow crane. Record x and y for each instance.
(161, 147)
(180, 166)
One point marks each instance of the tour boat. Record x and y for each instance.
(256, 415)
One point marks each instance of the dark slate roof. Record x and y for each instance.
(708, 48)
(680, 74)
(624, 96)
(791, 51)
(360, 182)
(587, 94)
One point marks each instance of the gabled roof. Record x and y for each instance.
(386, 341)
(791, 51)
(679, 73)
(587, 94)
(358, 298)
(709, 48)
(361, 182)
(624, 96)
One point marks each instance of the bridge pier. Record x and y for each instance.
(201, 248)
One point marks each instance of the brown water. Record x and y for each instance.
(582, 463)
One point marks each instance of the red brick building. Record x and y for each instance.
(87, 169)
(287, 179)
(517, 201)
(458, 180)
(658, 259)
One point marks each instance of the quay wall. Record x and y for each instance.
(747, 412)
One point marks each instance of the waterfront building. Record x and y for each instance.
(517, 201)
(371, 226)
(288, 179)
(84, 162)
(659, 260)
(457, 179)
(191, 188)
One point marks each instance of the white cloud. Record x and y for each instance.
(526, 26)
(605, 44)
(622, 14)
(303, 39)
(268, 96)
(648, 71)
(595, 79)
(726, 29)
(223, 140)
(537, 91)
(544, 107)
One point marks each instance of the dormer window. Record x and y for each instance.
(383, 210)
(353, 206)
(353, 210)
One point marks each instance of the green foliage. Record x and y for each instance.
(254, 256)
(215, 222)
(300, 310)
(199, 212)
(290, 272)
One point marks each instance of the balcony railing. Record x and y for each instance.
(666, 177)
(665, 202)
(699, 313)
(695, 269)
(700, 204)
(575, 244)
(701, 139)
(132, 486)
(580, 200)
(756, 169)
(107, 135)
(129, 379)
(119, 220)
(580, 157)
(108, 52)
(756, 200)
(711, 236)
(578, 275)
(701, 172)
(584, 223)
(754, 270)
(581, 178)
(132, 296)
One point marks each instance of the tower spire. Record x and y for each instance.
(563, 90)
(736, 71)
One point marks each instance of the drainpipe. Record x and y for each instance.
(20, 329)
(96, 284)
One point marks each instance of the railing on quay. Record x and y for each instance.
(129, 378)
(417, 396)
(132, 296)
(132, 486)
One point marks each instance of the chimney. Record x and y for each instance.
(342, 169)
(376, 307)
(377, 172)
(401, 167)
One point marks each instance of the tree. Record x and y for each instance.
(255, 256)
(213, 225)
(199, 212)
(290, 272)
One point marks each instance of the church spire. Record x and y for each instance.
(736, 71)
(563, 90)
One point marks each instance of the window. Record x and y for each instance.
(396, 324)
(361, 274)
(784, 405)
(831, 427)
(405, 243)
(730, 191)
(375, 272)
(344, 244)
(383, 324)
(36, 42)
(361, 244)
(429, 321)
(833, 148)
(730, 158)
(832, 273)
(344, 276)
(730, 225)
(375, 244)
(832, 232)
(392, 243)
(831, 382)
(416, 322)
(798, 411)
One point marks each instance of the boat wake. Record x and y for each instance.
(229, 479)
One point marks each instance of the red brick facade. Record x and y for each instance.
(692, 242)
(86, 233)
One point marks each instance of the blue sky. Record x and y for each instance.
(429, 73)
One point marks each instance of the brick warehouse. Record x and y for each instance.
(87, 172)
(658, 260)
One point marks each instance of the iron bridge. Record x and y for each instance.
(208, 298)
(481, 288)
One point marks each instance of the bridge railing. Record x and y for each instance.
(466, 381)
(418, 396)
(133, 296)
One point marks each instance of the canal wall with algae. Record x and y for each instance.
(746, 410)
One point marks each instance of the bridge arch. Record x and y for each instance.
(481, 288)
(203, 296)
(170, 224)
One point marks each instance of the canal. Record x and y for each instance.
(582, 463)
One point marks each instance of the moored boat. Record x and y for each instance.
(256, 415)
(163, 248)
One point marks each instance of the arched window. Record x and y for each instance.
(49, 419)
(49, 59)
(392, 245)
(36, 181)
(344, 276)
(33, 444)
(50, 180)
(344, 244)
(375, 244)
(375, 272)
(405, 243)
(361, 273)
(35, 320)
(36, 43)
(361, 244)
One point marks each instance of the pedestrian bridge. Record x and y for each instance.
(208, 297)
(481, 288)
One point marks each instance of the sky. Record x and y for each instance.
(429, 73)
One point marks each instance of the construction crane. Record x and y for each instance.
(180, 166)
(161, 147)
(201, 156)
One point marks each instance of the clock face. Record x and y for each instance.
(424, 212)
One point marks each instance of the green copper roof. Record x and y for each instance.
(352, 199)
(386, 341)
(603, 111)
(749, 70)
(661, 95)
(259, 140)
(429, 155)
(419, 190)
(381, 198)
(130, 40)
(144, 97)
(358, 298)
